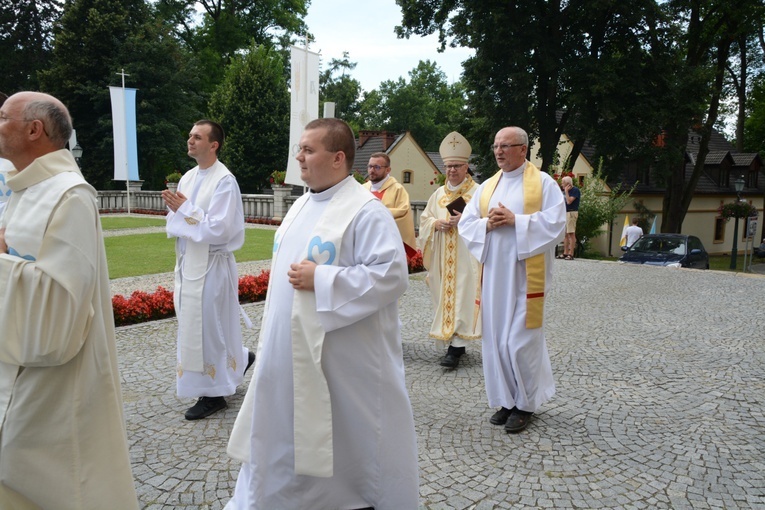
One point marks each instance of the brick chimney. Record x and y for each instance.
(387, 138)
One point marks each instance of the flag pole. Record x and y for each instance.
(124, 119)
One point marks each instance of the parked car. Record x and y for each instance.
(670, 250)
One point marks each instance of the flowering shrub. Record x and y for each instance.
(262, 221)
(173, 177)
(737, 210)
(439, 179)
(278, 176)
(142, 306)
(415, 263)
(359, 177)
(253, 288)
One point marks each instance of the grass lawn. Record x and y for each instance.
(117, 222)
(142, 254)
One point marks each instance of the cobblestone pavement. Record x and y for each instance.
(660, 390)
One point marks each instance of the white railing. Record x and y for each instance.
(255, 206)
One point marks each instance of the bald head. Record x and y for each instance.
(32, 124)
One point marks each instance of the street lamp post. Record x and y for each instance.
(77, 153)
(739, 185)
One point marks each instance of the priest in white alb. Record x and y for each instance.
(326, 423)
(63, 442)
(453, 272)
(207, 219)
(512, 226)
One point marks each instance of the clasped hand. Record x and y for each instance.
(301, 275)
(446, 225)
(500, 216)
(173, 200)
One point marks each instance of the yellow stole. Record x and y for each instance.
(535, 266)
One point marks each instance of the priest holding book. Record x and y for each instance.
(453, 272)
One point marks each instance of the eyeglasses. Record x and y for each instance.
(453, 167)
(5, 118)
(504, 146)
(376, 168)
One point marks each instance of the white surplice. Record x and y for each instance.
(63, 442)
(516, 364)
(375, 450)
(222, 227)
(453, 272)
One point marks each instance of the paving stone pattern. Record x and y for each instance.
(660, 379)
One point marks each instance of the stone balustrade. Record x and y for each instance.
(256, 206)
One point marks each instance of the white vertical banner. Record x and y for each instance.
(124, 129)
(304, 104)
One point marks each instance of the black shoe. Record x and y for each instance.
(205, 406)
(501, 416)
(452, 358)
(518, 421)
(250, 361)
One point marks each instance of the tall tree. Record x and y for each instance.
(426, 105)
(252, 103)
(95, 40)
(540, 64)
(25, 41)
(342, 90)
(215, 30)
(710, 28)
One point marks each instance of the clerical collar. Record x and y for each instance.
(328, 193)
(517, 171)
(377, 185)
(455, 188)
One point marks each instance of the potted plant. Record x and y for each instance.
(171, 180)
(277, 177)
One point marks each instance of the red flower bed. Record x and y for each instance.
(415, 263)
(142, 306)
(253, 288)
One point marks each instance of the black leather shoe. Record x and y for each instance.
(501, 416)
(518, 421)
(205, 406)
(250, 361)
(452, 358)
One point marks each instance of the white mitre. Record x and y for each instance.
(455, 148)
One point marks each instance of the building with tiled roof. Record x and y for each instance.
(722, 166)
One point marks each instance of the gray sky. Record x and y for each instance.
(365, 30)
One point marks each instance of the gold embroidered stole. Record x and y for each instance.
(535, 266)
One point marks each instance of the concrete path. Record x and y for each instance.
(660, 379)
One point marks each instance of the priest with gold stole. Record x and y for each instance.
(63, 443)
(512, 226)
(453, 272)
(394, 196)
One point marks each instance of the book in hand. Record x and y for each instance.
(456, 206)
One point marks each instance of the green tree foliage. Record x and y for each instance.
(342, 90)
(252, 103)
(707, 31)
(25, 41)
(225, 27)
(426, 105)
(550, 67)
(598, 206)
(95, 40)
(754, 126)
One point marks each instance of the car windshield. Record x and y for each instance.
(659, 245)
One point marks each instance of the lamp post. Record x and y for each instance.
(739, 185)
(77, 153)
